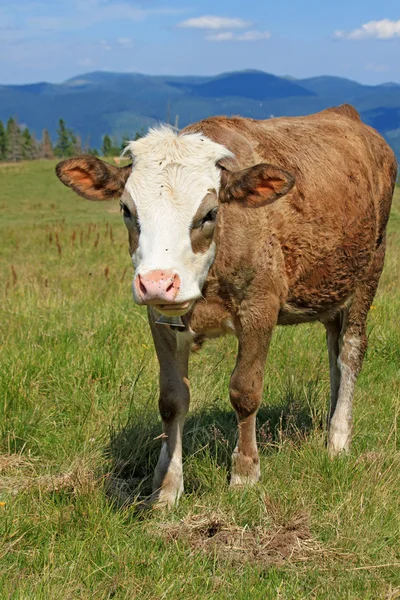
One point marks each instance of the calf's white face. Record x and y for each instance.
(170, 203)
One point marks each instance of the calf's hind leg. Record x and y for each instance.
(351, 349)
(347, 343)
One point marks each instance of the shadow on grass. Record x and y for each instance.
(210, 434)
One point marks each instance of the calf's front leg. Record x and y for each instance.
(246, 388)
(173, 355)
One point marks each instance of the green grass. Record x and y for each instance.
(78, 414)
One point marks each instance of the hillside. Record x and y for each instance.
(121, 103)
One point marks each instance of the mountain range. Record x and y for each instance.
(121, 104)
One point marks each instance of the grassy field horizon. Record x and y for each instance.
(79, 429)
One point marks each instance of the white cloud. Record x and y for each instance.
(211, 22)
(380, 30)
(224, 36)
(253, 36)
(248, 36)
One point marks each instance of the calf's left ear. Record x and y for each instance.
(256, 186)
(93, 178)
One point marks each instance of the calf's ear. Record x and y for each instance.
(256, 186)
(93, 178)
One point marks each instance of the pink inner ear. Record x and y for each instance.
(264, 189)
(272, 184)
(80, 177)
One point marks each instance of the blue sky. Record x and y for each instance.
(42, 40)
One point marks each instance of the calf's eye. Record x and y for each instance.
(125, 211)
(128, 215)
(210, 216)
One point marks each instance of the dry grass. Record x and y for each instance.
(19, 474)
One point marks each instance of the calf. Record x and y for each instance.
(238, 225)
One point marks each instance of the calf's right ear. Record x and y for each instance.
(93, 178)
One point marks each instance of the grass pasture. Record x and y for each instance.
(79, 418)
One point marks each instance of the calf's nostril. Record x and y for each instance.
(170, 287)
(141, 286)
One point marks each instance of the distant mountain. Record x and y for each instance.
(120, 104)
(328, 86)
(254, 85)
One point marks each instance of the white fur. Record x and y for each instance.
(341, 423)
(170, 177)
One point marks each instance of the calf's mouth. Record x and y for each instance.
(174, 309)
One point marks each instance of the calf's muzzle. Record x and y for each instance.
(158, 287)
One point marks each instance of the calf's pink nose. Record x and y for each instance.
(158, 286)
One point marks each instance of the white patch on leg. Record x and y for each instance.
(339, 437)
(340, 429)
(168, 479)
(168, 475)
(353, 343)
(244, 470)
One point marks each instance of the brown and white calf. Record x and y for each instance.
(242, 225)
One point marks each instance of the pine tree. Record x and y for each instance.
(107, 147)
(73, 142)
(93, 151)
(3, 142)
(46, 150)
(28, 145)
(125, 141)
(14, 141)
(78, 146)
(66, 141)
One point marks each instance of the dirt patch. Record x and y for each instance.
(215, 534)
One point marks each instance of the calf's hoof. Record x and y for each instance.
(167, 486)
(338, 442)
(245, 470)
(164, 499)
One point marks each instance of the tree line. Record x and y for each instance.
(18, 143)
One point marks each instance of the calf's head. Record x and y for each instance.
(169, 199)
